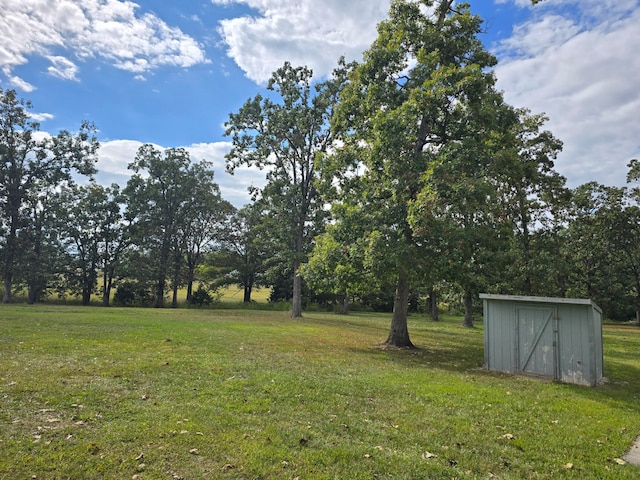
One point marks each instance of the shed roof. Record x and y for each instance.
(524, 298)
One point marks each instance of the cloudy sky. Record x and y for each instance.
(170, 72)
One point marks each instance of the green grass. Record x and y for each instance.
(232, 394)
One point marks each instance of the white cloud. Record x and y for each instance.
(41, 117)
(63, 68)
(21, 83)
(114, 157)
(109, 29)
(303, 32)
(581, 69)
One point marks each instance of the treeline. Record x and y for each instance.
(398, 179)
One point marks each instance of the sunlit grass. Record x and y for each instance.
(118, 393)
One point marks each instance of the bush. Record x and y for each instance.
(204, 296)
(130, 293)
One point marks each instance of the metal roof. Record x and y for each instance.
(524, 298)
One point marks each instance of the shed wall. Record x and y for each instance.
(568, 347)
(500, 336)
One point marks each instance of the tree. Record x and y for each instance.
(531, 190)
(96, 235)
(204, 222)
(29, 164)
(174, 206)
(414, 94)
(242, 253)
(289, 139)
(604, 244)
(338, 263)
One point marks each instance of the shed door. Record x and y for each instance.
(536, 340)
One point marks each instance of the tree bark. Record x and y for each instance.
(106, 289)
(247, 293)
(6, 296)
(399, 332)
(468, 310)
(345, 305)
(296, 304)
(433, 306)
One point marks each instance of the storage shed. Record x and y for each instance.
(559, 338)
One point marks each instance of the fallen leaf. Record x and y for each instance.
(139, 457)
(427, 455)
(228, 466)
(366, 455)
(508, 436)
(619, 461)
(569, 466)
(193, 451)
(378, 447)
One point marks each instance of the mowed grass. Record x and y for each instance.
(232, 394)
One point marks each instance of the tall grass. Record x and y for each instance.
(239, 394)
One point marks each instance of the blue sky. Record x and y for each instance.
(170, 72)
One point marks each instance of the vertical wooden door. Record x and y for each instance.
(536, 352)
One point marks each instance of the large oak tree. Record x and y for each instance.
(415, 94)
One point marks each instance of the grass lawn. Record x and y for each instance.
(236, 394)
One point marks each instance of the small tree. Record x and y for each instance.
(289, 138)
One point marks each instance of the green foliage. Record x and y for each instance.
(32, 169)
(204, 296)
(130, 293)
(289, 137)
(423, 98)
(114, 393)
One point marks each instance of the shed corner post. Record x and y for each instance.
(485, 322)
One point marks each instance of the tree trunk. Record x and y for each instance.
(11, 247)
(31, 294)
(106, 288)
(6, 296)
(247, 293)
(174, 298)
(189, 288)
(296, 306)
(468, 310)
(399, 332)
(345, 304)
(160, 293)
(433, 306)
(86, 296)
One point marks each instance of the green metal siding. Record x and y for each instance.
(555, 338)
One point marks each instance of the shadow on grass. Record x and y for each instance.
(449, 347)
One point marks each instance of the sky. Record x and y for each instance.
(170, 72)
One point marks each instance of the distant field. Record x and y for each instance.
(230, 294)
(88, 392)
